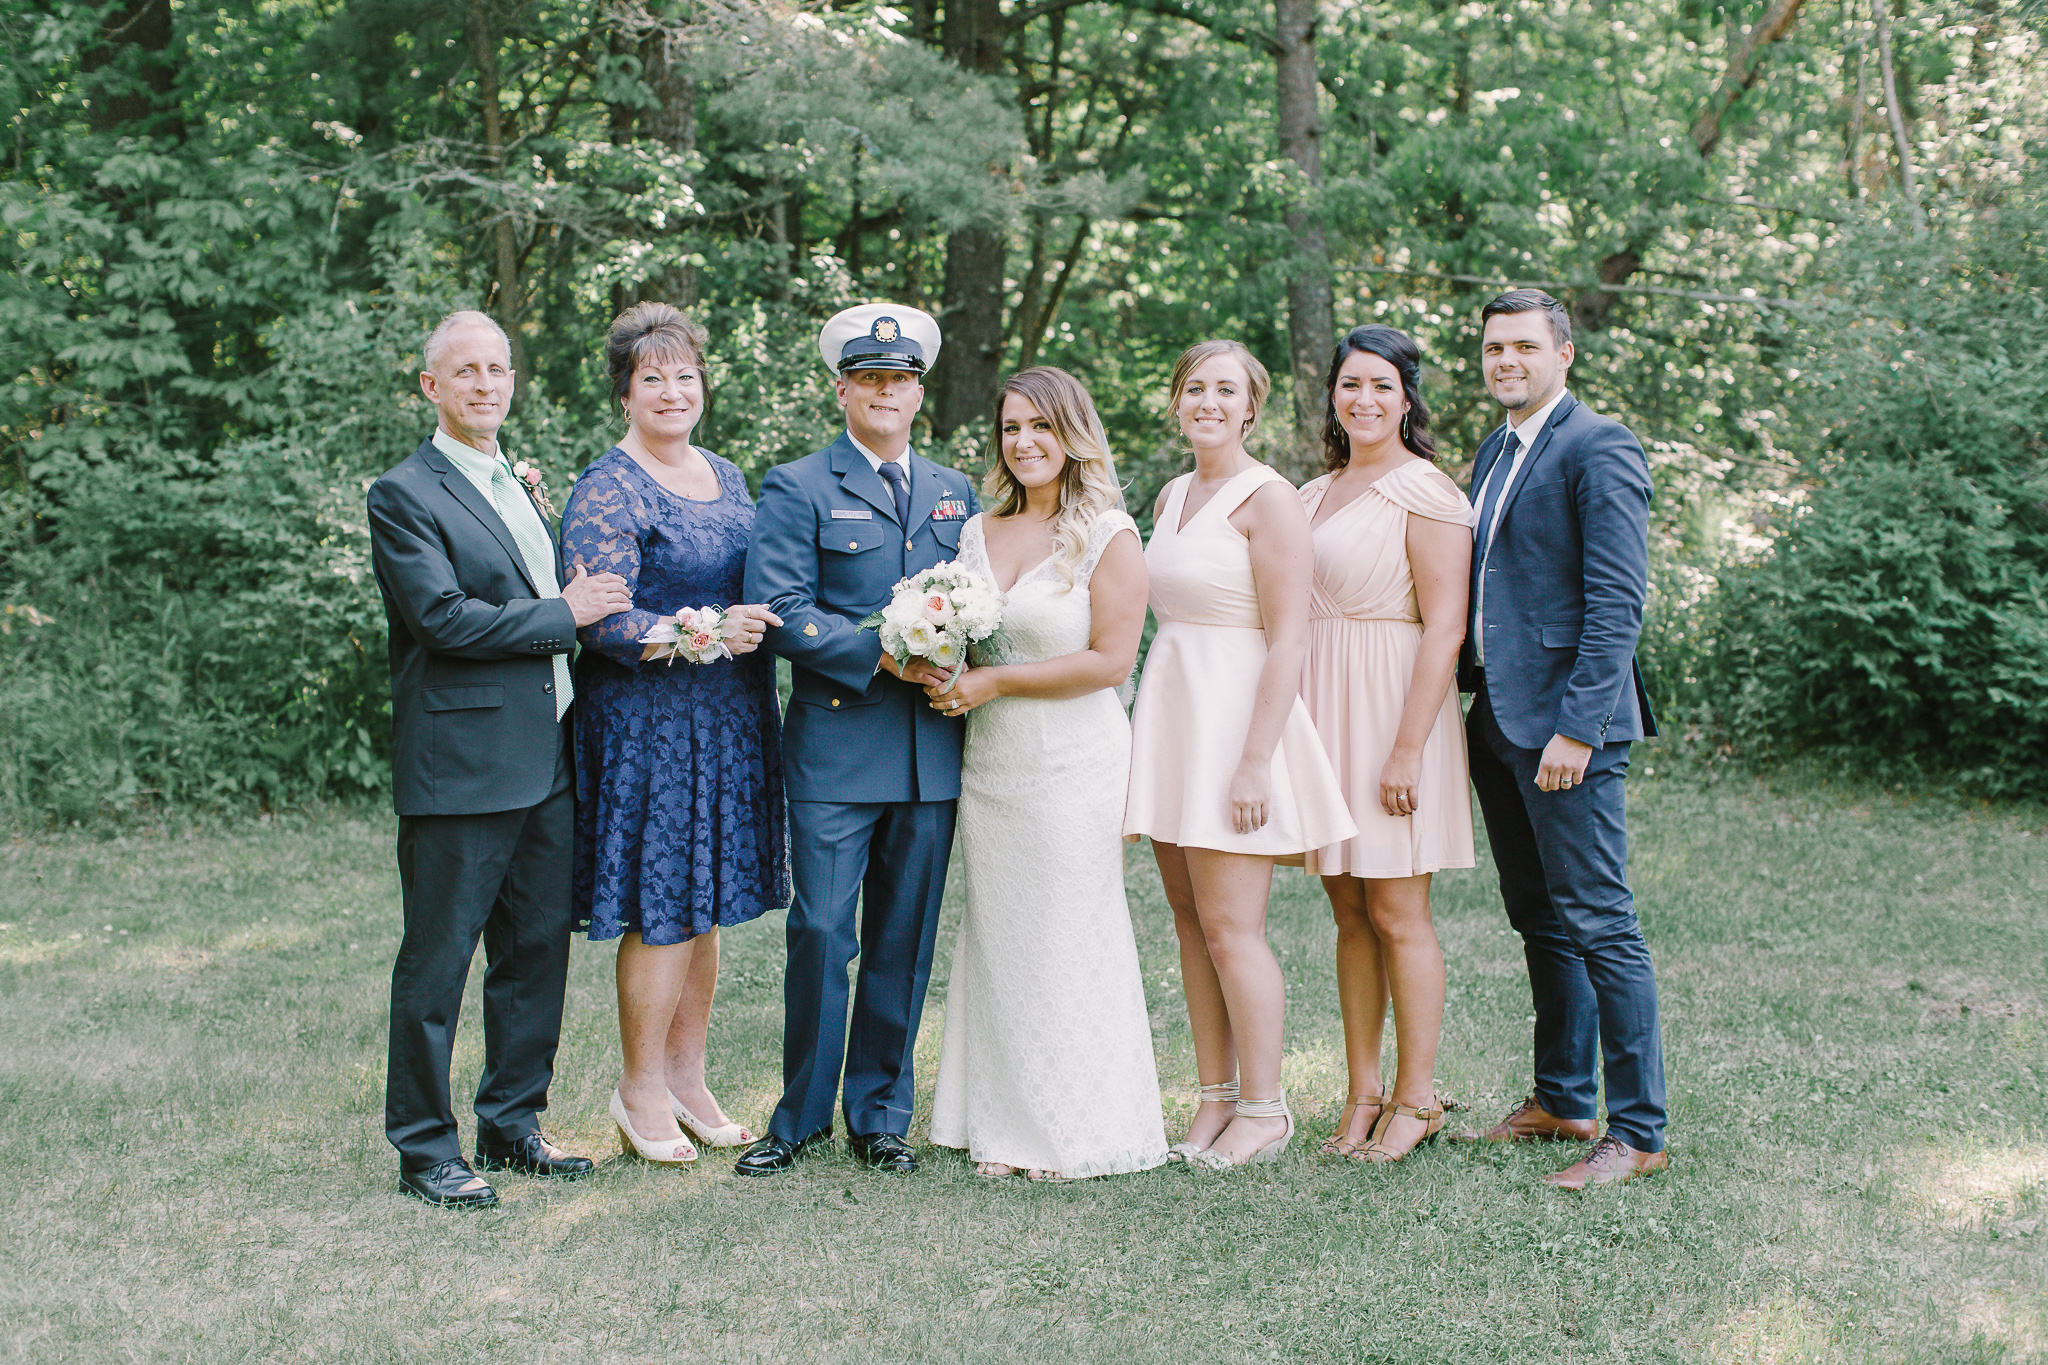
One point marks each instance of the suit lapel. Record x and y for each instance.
(1537, 453)
(458, 485)
(859, 478)
(1482, 463)
(925, 492)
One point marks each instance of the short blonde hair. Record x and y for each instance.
(437, 340)
(1261, 382)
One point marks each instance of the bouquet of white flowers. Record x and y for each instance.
(695, 636)
(934, 615)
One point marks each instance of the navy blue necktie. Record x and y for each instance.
(893, 472)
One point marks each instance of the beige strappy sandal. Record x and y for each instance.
(1433, 1123)
(1339, 1145)
(1222, 1092)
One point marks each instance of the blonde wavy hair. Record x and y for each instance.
(1088, 485)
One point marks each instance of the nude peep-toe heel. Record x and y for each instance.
(1222, 1092)
(731, 1135)
(1272, 1151)
(1338, 1144)
(675, 1151)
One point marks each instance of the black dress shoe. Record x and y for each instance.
(449, 1185)
(533, 1155)
(883, 1152)
(773, 1155)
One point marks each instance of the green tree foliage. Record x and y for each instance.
(1902, 623)
(228, 225)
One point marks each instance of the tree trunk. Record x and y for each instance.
(674, 125)
(143, 27)
(504, 303)
(1897, 115)
(622, 120)
(971, 308)
(1311, 312)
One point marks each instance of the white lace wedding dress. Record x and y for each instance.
(1047, 1061)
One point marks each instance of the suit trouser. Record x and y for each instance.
(503, 876)
(889, 859)
(1563, 863)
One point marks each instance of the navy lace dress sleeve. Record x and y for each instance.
(680, 823)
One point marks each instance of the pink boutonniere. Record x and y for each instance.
(536, 485)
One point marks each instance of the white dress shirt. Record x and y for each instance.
(476, 467)
(875, 462)
(1522, 436)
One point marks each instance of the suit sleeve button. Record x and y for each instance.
(548, 688)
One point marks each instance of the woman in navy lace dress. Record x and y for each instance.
(679, 806)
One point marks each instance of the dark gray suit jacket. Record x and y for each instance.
(1565, 585)
(472, 646)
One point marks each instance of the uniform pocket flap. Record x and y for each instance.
(1562, 636)
(850, 537)
(472, 698)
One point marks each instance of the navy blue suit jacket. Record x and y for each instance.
(472, 645)
(826, 552)
(1565, 584)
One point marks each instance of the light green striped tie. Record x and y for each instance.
(529, 533)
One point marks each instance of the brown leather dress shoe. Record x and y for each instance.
(1611, 1162)
(1531, 1122)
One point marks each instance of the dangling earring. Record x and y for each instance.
(1404, 428)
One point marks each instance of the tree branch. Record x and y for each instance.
(1253, 38)
(1743, 71)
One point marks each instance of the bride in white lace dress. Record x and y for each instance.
(1047, 1066)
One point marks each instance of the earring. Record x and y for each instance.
(1404, 427)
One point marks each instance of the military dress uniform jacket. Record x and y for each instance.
(472, 646)
(827, 552)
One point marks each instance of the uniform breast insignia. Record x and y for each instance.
(949, 509)
(852, 514)
(811, 629)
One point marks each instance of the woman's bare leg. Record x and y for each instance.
(1230, 892)
(1399, 907)
(688, 1029)
(1362, 1000)
(650, 982)
(1208, 1018)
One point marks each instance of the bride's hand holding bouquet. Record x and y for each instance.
(931, 619)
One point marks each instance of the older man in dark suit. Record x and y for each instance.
(1560, 569)
(481, 628)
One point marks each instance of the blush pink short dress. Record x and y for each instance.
(1364, 633)
(1200, 682)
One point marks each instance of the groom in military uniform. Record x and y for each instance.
(872, 771)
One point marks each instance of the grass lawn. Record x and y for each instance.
(191, 1069)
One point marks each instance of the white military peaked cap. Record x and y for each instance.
(879, 336)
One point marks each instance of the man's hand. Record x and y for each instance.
(745, 624)
(592, 597)
(1564, 764)
(918, 672)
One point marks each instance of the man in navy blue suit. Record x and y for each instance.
(1560, 568)
(872, 771)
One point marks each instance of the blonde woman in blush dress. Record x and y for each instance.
(1227, 774)
(1047, 1065)
(1393, 551)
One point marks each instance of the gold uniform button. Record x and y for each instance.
(853, 545)
(835, 701)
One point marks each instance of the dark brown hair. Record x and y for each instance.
(1532, 301)
(1398, 349)
(649, 332)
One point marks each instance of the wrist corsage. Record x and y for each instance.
(696, 637)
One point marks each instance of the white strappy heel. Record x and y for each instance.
(1253, 1109)
(1222, 1092)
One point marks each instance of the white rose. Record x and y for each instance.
(949, 652)
(935, 608)
(919, 637)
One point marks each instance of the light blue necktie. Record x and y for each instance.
(530, 535)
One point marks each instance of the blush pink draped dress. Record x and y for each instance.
(1364, 633)
(1201, 681)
